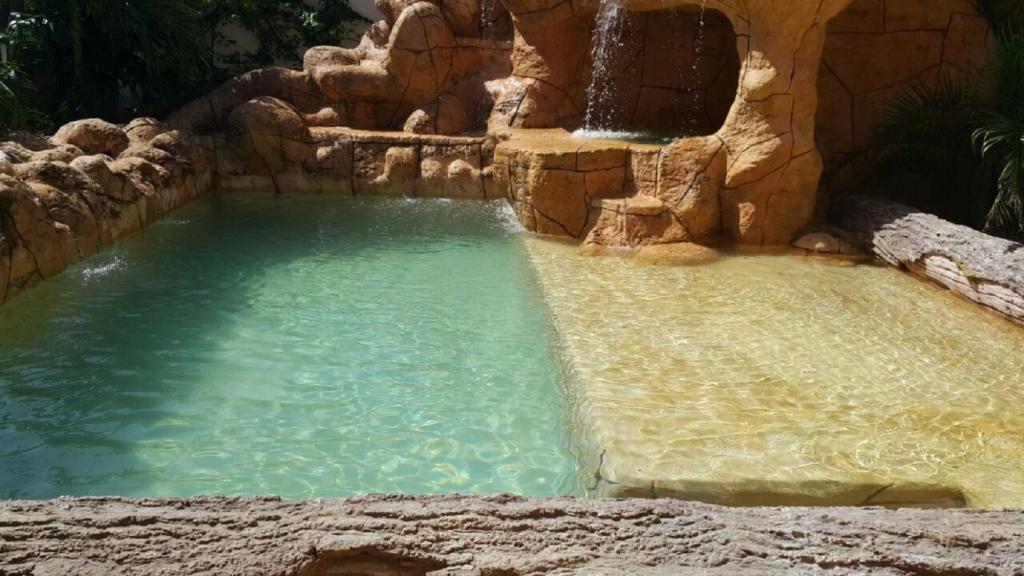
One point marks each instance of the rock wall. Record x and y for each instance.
(423, 68)
(876, 48)
(676, 72)
(672, 71)
(499, 535)
(91, 185)
(753, 182)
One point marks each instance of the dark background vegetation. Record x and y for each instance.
(116, 59)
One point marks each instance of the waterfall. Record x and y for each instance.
(487, 12)
(698, 51)
(610, 30)
(606, 114)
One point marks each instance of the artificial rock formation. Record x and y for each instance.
(499, 535)
(875, 48)
(437, 101)
(88, 187)
(753, 181)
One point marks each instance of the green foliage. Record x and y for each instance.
(282, 25)
(966, 145)
(122, 58)
(24, 38)
(102, 49)
(15, 93)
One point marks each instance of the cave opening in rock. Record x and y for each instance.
(635, 91)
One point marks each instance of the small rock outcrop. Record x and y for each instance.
(93, 136)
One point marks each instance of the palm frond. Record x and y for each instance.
(1001, 140)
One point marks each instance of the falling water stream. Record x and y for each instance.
(606, 115)
(698, 51)
(604, 110)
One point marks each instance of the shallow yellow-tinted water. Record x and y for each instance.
(775, 379)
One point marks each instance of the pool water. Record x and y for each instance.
(302, 347)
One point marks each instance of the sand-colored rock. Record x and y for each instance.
(38, 249)
(270, 135)
(682, 254)
(93, 136)
(61, 153)
(143, 130)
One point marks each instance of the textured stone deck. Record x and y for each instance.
(495, 536)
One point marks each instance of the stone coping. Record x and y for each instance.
(497, 535)
(392, 137)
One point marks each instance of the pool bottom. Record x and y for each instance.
(307, 347)
(774, 380)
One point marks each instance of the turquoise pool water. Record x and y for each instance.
(302, 347)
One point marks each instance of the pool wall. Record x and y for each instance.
(69, 197)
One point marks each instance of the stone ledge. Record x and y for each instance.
(506, 535)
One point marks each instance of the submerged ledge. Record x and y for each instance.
(784, 381)
(498, 535)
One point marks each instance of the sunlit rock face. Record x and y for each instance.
(752, 181)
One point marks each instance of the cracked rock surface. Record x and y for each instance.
(498, 535)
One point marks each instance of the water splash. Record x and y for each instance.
(636, 136)
(507, 218)
(487, 12)
(102, 270)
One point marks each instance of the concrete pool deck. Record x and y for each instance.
(780, 380)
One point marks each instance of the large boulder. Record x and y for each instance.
(39, 248)
(269, 135)
(93, 136)
(142, 130)
(463, 17)
(421, 51)
(61, 153)
(330, 56)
